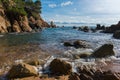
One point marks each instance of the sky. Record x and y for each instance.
(83, 11)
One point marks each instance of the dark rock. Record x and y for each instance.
(74, 76)
(104, 51)
(52, 24)
(60, 67)
(117, 34)
(74, 27)
(67, 44)
(85, 77)
(112, 28)
(110, 76)
(21, 70)
(86, 71)
(79, 44)
(86, 29)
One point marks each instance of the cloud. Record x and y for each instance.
(66, 3)
(52, 5)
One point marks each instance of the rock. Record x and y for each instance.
(110, 76)
(21, 70)
(86, 29)
(117, 34)
(112, 28)
(104, 51)
(67, 44)
(28, 78)
(16, 27)
(24, 24)
(85, 77)
(84, 55)
(74, 27)
(86, 71)
(79, 44)
(52, 24)
(60, 67)
(74, 76)
(34, 62)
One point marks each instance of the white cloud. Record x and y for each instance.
(52, 5)
(66, 3)
(100, 6)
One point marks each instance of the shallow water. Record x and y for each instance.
(52, 39)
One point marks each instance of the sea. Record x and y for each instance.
(51, 40)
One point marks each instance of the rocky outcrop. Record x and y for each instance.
(21, 70)
(4, 23)
(112, 28)
(90, 74)
(60, 67)
(18, 23)
(117, 34)
(104, 51)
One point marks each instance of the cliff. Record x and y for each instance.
(16, 17)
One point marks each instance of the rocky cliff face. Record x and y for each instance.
(10, 22)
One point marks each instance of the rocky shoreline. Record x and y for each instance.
(33, 61)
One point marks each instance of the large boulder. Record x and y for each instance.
(117, 34)
(21, 70)
(104, 51)
(60, 67)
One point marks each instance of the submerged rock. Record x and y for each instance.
(104, 51)
(21, 70)
(60, 67)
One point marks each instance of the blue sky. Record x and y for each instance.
(86, 11)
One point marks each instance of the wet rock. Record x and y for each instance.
(52, 24)
(104, 51)
(110, 76)
(79, 44)
(84, 28)
(74, 76)
(21, 70)
(112, 28)
(85, 77)
(34, 62)
(60, 67)
(74, 27)
(81, 55)
(117, 34)
(86, 71)
(99, 27)
(67, 44)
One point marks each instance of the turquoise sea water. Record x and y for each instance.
(53, 38)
